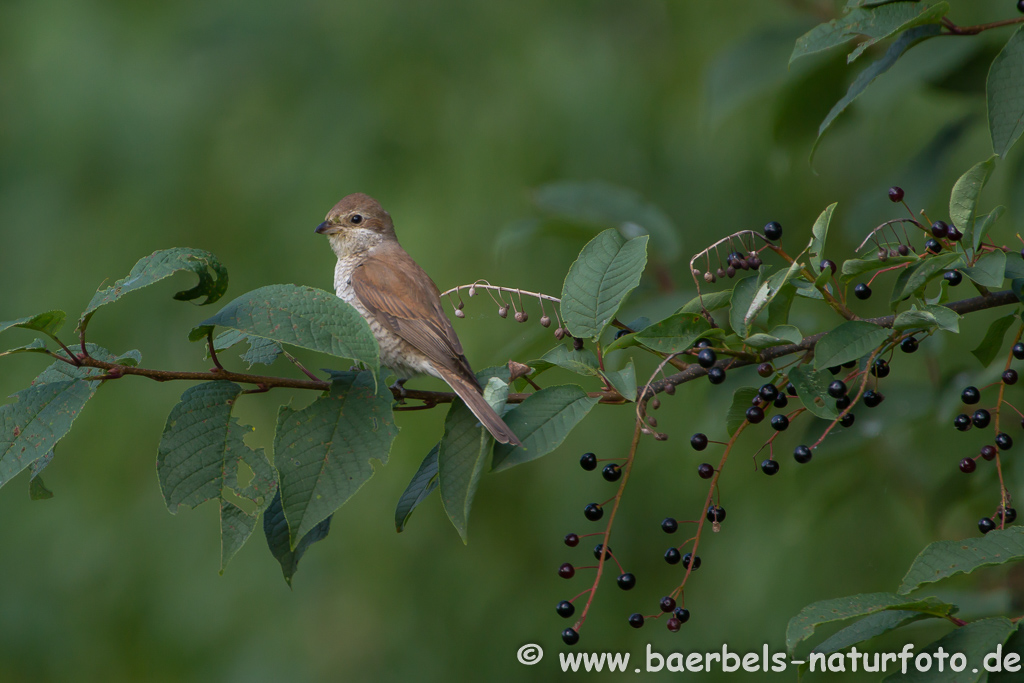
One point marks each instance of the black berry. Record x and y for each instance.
(593, 512)
(716, 514)
(768, 392)
(862, 291)
(754, 415)
(780, 422)
(667, 604)
(933, 246)
(962, 422)
(672, 556)
(981, 418)
(843, 402)
(673, 624)
(1004, 441)
(565, 609)
(908, 345)
(967, 465)
(705, 470)
(986, 525)
(706, 358)
(902, 250)
(626, 581)
(802, 454)
(716, 375)
(830, 265)
(636, 620)
(1008, 516)
(669, 525)
(770, 467)
(940, 229)
(773, 231)
(599, 549)
(836, 369)
(570, 637)
(611, 472)
(1018, 350)
(953, 277)
(872, 398)
(1020, 5)
(765, 369)
(682, 614)
(699, 441)
(790, 389)
(837, 388)
(988, 452)
(572, 540)
(1010, 377)
(781, 401)
(588, 461)
(847, 420)
(970, 395)
(880, 368)
(567, 571)
(689, 556)
(896, 194)
(955, 234)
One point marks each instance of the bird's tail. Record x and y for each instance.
(471, 394)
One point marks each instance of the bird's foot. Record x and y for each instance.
(398, 389)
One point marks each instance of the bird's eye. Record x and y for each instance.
(356, 219)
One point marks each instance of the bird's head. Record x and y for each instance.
(356, 223)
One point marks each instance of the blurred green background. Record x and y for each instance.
(234, 127)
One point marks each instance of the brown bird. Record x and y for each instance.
(401, 303)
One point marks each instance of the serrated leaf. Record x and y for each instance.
(811, 384)
(742, 297)
(262, 351)
(609, 206)
(974, 641)
(737, 413)
(963, 201)
(48, 323)
(870, 626)
(983, 226)
(769, 289)
(213, 278)
(323, 452)
(907, 40)
(275, 529)
(1005, 94)
(674, 334)
(989, 270)
(990, 345)
(943, 559)
(607, 270)
(542, 422)
(623, 381)
(301, 316)
(711, 302)
(803, 624)
(852, 340)
(877, 23)
(919, 274)
(819, 232)
(36, 488)
(34, 346)
(464, 454)
(422, 485)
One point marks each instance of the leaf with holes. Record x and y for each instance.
(812, 388)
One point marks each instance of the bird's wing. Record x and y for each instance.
(406, 301)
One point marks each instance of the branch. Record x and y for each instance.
(975, 30)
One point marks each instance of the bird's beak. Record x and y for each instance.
(325, 228)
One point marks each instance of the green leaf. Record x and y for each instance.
(582, 361)
(919, 274)
(811, 385)
(422, 485)
(989, 270)
(213, 278)
(609, 206)
(674, 334)
(974, 641)
(990, 345)
(963, 201)
(1014, 267)
(927, 317)
(712, 302)
(737, 414)
(323, 452)
(1003, 90)
(769, 289)
(34, 346)
(782, 334)
(943, 559)
(199, 456)
(877, 23)
(608, 268)
(985, 225)
(275, 528)
(464, 454)
(778, 309)
(36, 488)
(300, 316)
(742, 298)
(542, 422)
(907, 40)
(819, 232)
(870, 626)
(852, 340)
(48, 323)
(803, 624)
(263, 351)
(855, 267)
(623, 381)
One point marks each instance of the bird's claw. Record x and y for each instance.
(398, 389)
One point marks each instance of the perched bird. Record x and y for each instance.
(401, 303)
